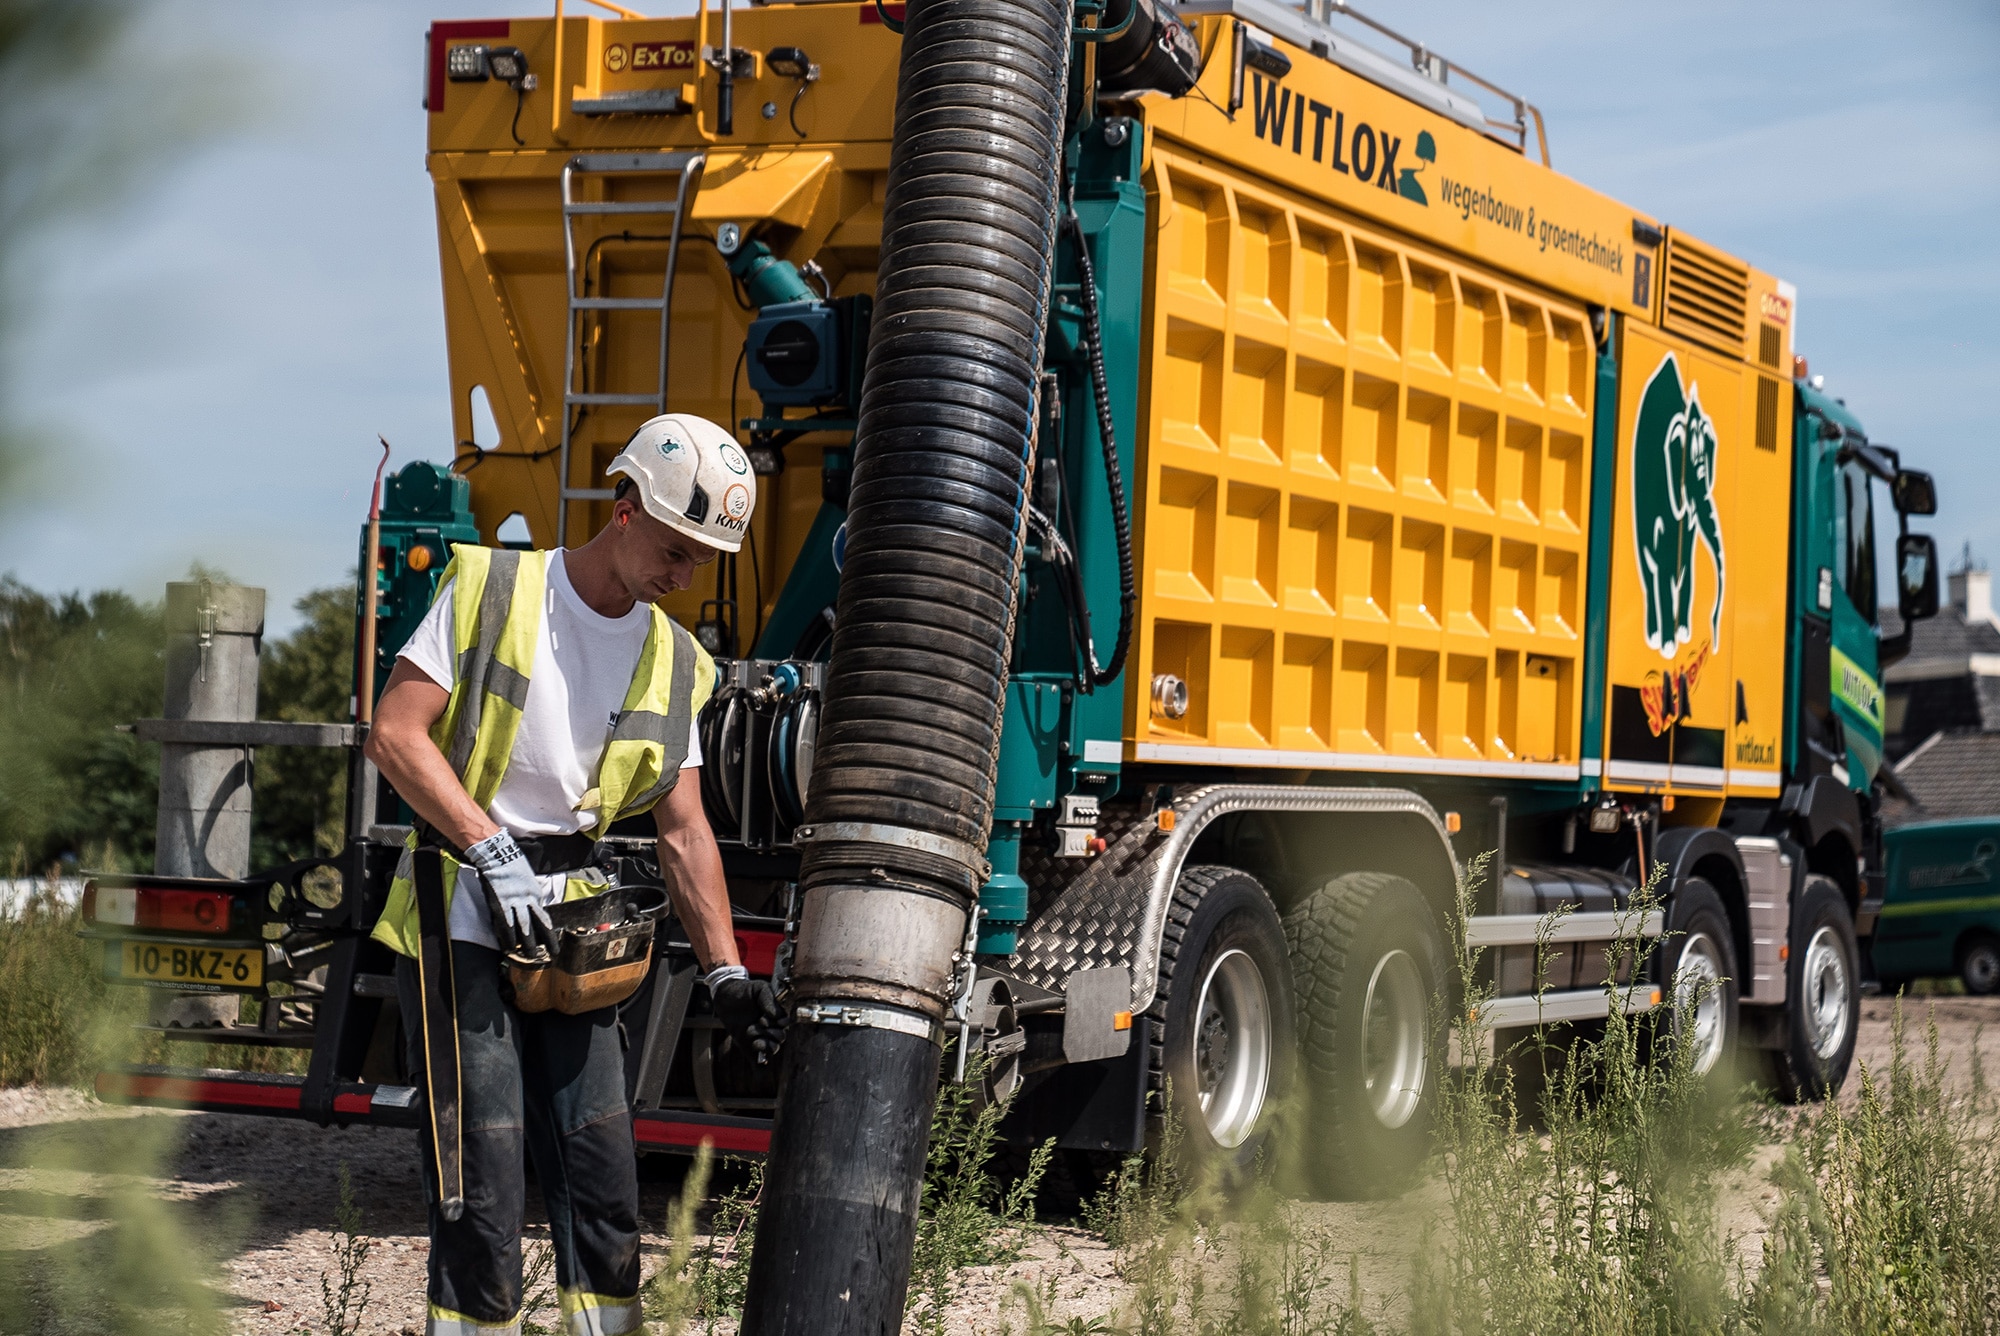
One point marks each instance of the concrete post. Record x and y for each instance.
(213, 634)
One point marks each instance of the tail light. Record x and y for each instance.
(156, 907)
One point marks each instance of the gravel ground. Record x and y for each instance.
(263, 1194)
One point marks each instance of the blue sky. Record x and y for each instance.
(207, 363)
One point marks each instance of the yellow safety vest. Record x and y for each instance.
(497, 598)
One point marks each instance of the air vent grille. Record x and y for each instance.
(1708, 296)
(1770, 342)
(1767, 413)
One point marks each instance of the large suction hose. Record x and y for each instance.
(902, 790)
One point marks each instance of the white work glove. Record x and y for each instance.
(516, 889)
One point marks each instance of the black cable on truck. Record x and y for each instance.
(1114, 478)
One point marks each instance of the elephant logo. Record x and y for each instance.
(1674, 461)
(1407, 184)
(1673, 508)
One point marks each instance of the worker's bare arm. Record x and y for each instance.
(399, 743)
(692, 868)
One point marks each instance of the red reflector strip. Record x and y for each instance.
(358, 1105)
(868, 15)
(657, 1131)
(194, 1090)
(759, 950)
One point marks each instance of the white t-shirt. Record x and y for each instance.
(583, 667)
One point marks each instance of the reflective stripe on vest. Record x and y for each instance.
(497, 599)
(496, 626)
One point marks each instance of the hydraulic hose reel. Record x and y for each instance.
(759, 734)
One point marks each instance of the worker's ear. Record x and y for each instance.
(622, 511)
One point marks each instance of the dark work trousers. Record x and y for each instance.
(554, 1086)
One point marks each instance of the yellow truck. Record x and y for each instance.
(1380, 497)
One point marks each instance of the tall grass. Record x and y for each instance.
(1895, 1203)
(1579, 1187)
(52, 997)
(1593, 1204)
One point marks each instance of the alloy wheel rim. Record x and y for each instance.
(1232, 1048)
(1828, 994)
(1395, 1040)
(1698, 1001)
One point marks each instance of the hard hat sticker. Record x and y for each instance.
(736, 501)
(733, 459)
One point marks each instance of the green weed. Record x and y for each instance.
(1607, 1220)
(1896, 1203)
(343, 1302)
(673, 1295)
(1201, 1261)
(538, 1289)
(967, 1217)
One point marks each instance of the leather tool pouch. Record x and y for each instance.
(604, 946)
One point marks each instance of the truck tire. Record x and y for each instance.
(1822, 996)
(1369, 964)
(1699, 976)
(1224, 1046)
(1979, 965)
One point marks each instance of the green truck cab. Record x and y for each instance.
(1941, 913)
(1838, 654)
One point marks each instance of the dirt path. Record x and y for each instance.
(263, 1195)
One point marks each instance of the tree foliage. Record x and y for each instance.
(74, 667)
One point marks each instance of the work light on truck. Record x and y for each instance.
(155, 907)
(466, 64)
(509, 64)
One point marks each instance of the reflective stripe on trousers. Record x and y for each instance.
(586, 1314)
(444, 1322)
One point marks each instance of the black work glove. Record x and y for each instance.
(749, 1010)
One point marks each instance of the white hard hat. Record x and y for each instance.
(692, 477)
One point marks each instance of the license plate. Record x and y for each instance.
(189, 966)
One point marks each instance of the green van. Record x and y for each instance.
(1941, 911)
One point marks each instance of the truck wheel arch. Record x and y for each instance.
(1827, 818)
(1833, 856)
(1711, 854)
(1113, 911)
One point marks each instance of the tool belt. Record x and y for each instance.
(603, 947)
(603, 944)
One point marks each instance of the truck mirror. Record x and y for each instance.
(1916, 575)
(1915, 493)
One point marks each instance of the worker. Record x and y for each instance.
(544, 698)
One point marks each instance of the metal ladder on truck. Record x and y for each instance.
(686, 168)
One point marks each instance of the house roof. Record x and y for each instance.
(1944, 646)
(1953, 774)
